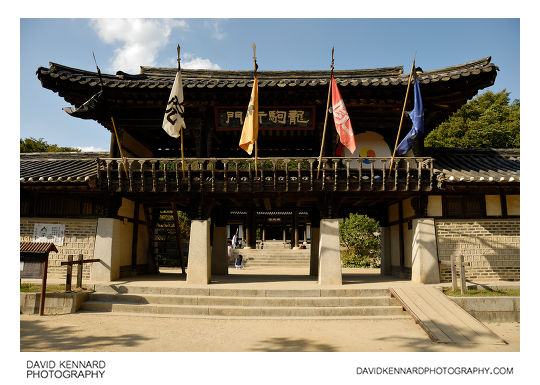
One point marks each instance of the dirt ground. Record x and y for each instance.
(91, 332)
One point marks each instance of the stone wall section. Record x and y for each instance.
(79, 238)
(491, 246)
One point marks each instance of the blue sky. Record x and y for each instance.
(282, 44)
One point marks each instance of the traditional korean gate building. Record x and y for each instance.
(435, 202)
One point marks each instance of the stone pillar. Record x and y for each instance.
(198, 270)
(105, 248)
(425, 265)
(329, 254)
(314, 252)
(264, 234)
(220, 263)
(386, 251)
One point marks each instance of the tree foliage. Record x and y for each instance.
(360, 236)
(40, 145)
(487, 121)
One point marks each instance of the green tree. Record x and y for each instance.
(488, 121)
(40, 145)
(360, 236)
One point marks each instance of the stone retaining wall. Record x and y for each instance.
(491, 246)
(490, 309)
(55, 303)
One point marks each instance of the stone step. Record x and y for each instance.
(404, 315)
(242, 311)
(242, 301)
(275, 258)
(216, 291)
(275, 263)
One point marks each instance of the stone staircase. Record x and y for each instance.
(245, 303)
(274, 253)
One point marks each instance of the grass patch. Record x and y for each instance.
(482, 293)
(33, 288)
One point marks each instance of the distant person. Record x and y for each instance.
(234, 240)
(239, 263)
(229, 252)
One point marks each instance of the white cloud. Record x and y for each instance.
(91, 149)
(199, 63)
(140, 40)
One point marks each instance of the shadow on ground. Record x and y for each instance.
(35, 336)
(291, 345)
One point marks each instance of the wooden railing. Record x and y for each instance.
(273, 174)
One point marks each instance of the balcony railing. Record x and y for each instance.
(156, 175)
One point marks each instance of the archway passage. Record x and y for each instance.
(267, 242)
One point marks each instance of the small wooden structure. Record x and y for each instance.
(453, 266)
(69, 263)
(34, 263)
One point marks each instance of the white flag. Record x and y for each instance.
(174, 114)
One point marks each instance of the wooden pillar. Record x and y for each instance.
(43, 285)
(401, 241)
(248, 230)
(79, 271)
(68, 273)
(254, 229)
(178, 237)
(135, 237)
(219, 260)
(314, 252)
(295, 229)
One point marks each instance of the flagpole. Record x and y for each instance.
(326, 115)
(402, 114)
(112, 120)
(181, 128)
(256, 117)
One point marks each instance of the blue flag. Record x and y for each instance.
(417, 117)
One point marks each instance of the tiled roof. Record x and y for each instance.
(467, 165)
(152, 77)
(37, 247)
(59, 167)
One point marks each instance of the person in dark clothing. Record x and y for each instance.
(239, 263)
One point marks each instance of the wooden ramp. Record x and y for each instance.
(441, 318)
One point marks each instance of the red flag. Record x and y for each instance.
(341, 119)
(339, 150)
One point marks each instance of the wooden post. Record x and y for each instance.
(178, 238)
(326, 114)
(462, 275)
(454, 273)
(79, 271)
(69, 273)
(43, 285)
(402, 115)
(295, 224)
(135, 236)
